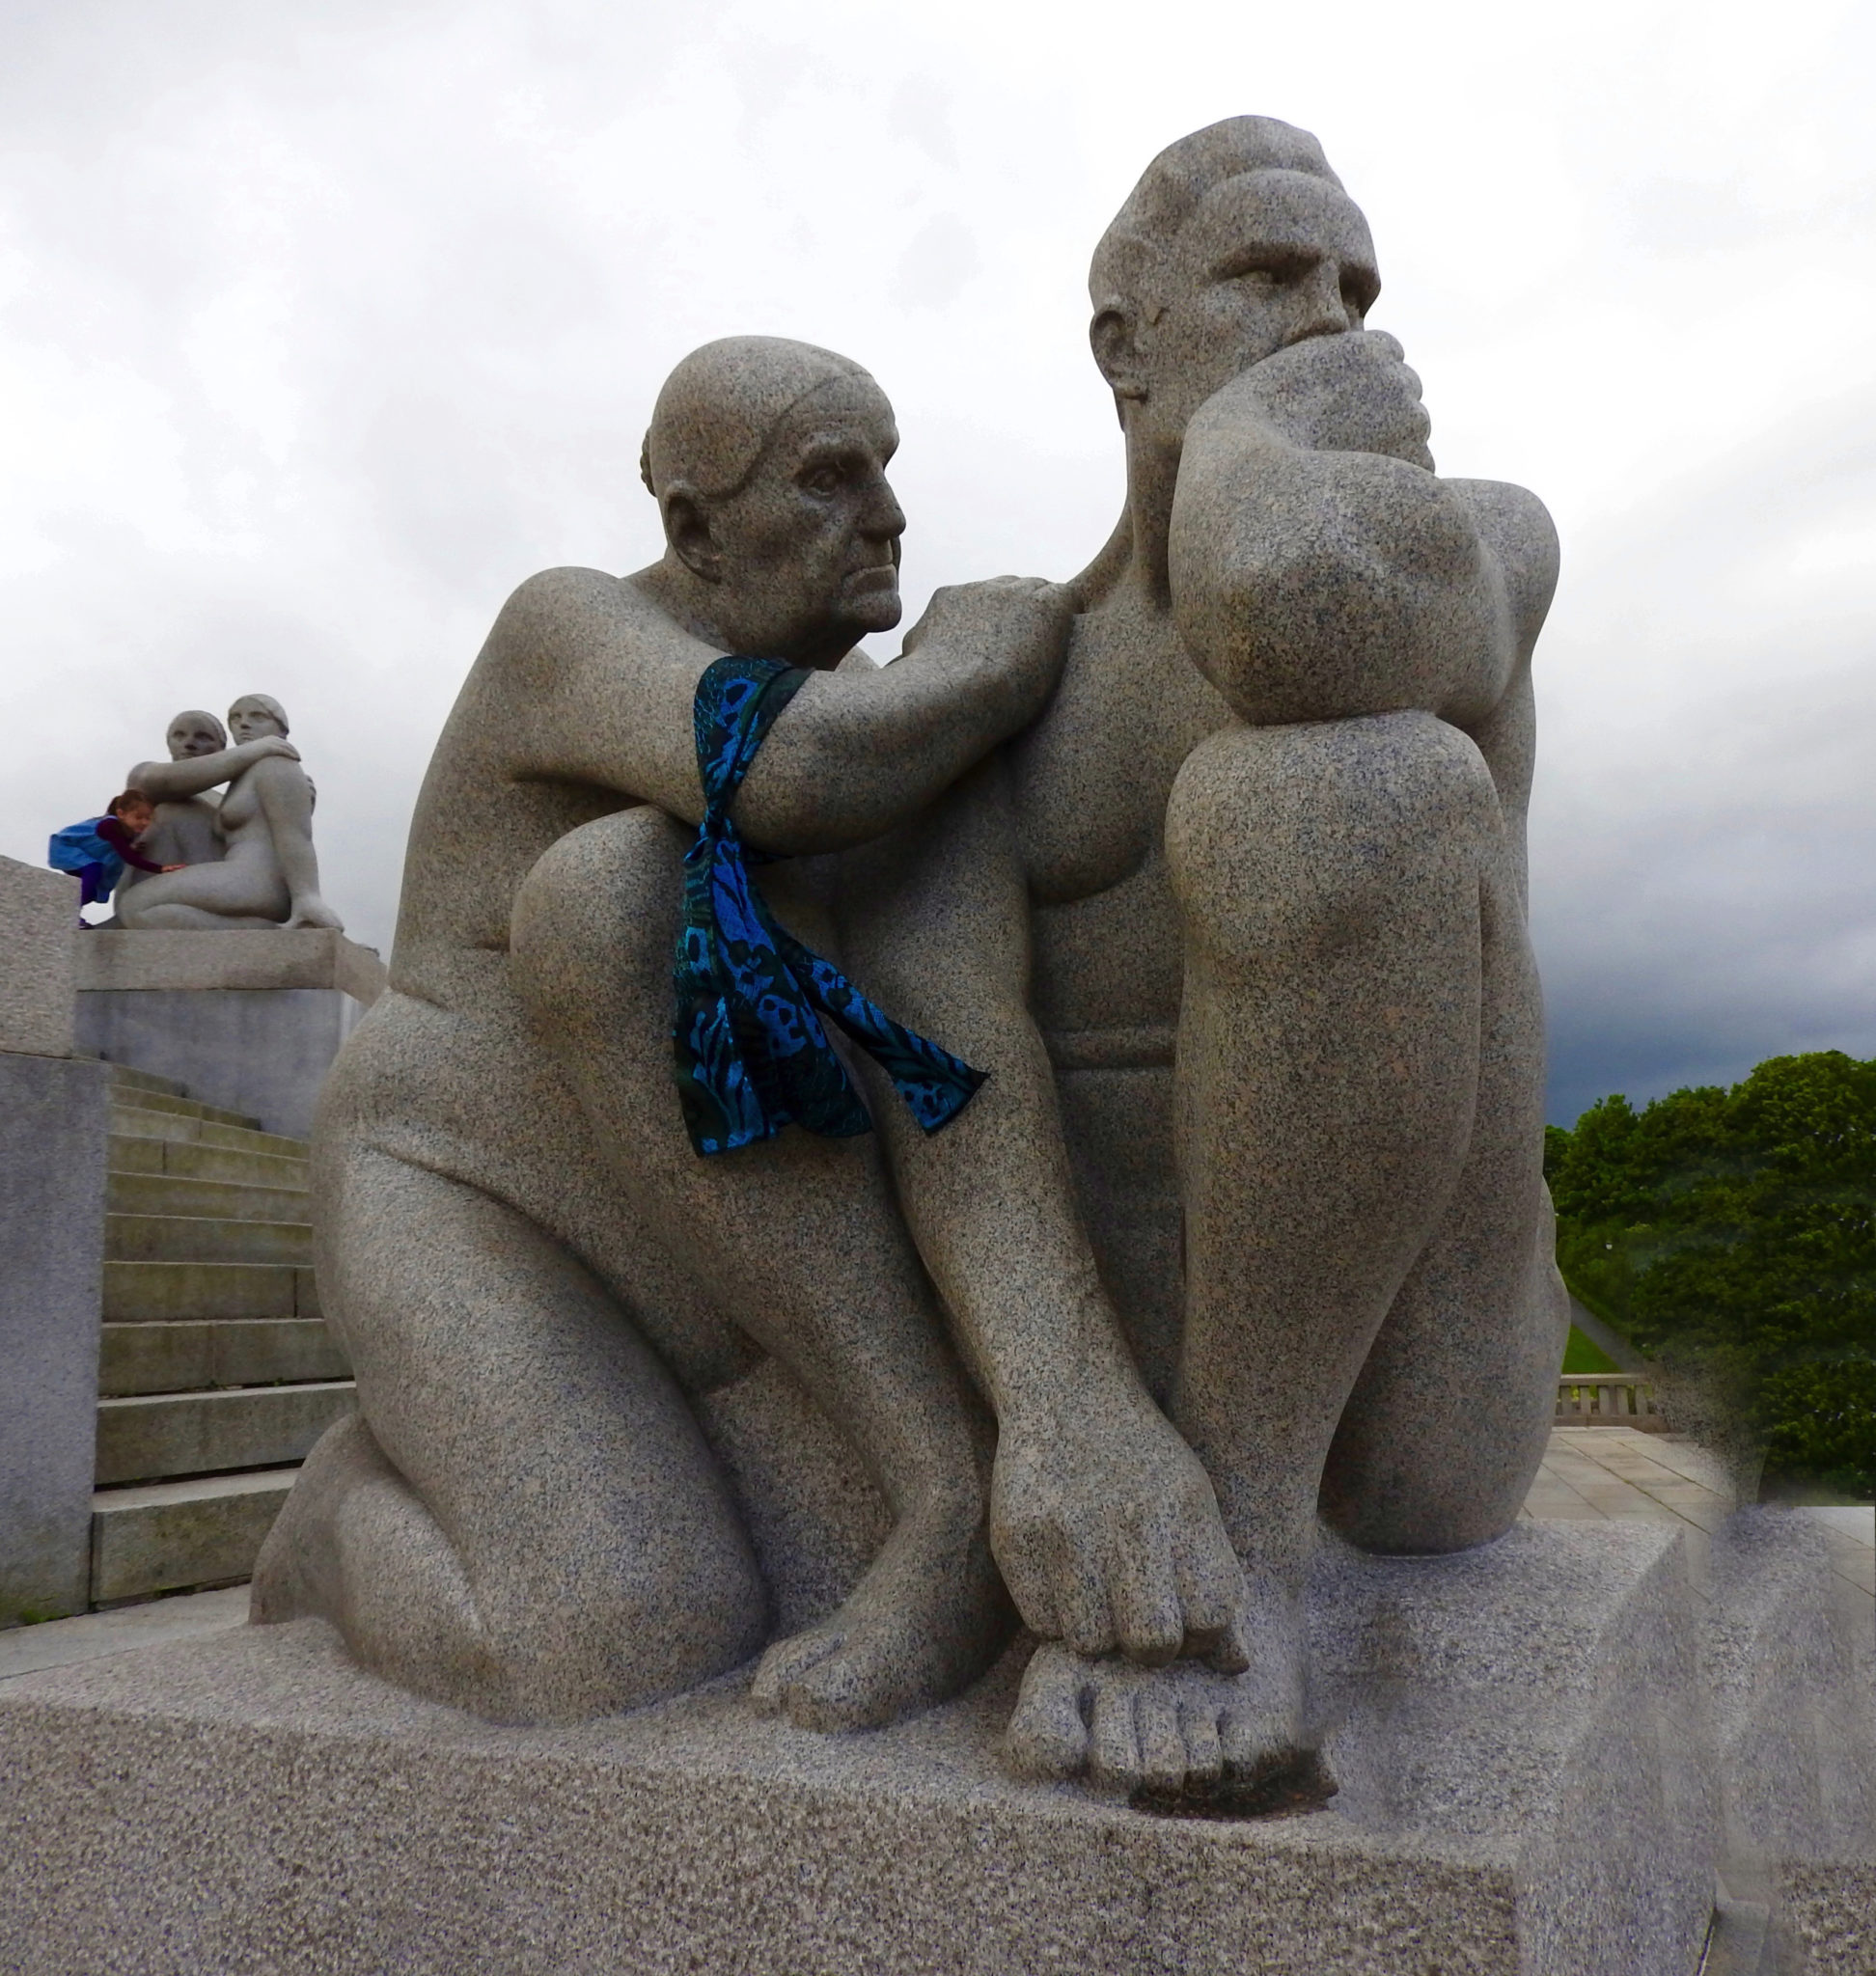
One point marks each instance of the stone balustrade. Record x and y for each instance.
(1607, 1399)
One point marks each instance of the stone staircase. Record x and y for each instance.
(216, 1373)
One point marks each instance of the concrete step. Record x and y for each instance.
(130, 1080)
(131, 1121)
(169, 1536)
(160, 1435)
(133, 1098)
(186, 1160)
(164, 1291)
(193, 1238)
(137, 1359)
(214, 1200)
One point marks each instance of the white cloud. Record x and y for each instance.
(321, 328)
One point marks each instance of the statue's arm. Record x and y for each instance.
(1520, 534)
(1103, 1522)
(611, 682)
(1321, 570)
(285, 802)
(168, 781)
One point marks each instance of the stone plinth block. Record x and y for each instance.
(53, 1119)
(250, 958)
(1524, 1788)
(39, 911)
(249, 1020)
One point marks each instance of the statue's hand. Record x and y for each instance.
(273, 744)
(1106, 1530)
(1336, 394)
(313, 911)
(1015, 625)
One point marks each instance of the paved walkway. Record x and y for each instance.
(1614, 1472)
(1589, 1473)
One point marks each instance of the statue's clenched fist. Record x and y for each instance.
(1335, 394)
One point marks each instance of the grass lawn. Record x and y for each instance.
(1582, 1354)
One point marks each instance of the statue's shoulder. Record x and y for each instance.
(1518, 529)
(553, 597)
(561, 617)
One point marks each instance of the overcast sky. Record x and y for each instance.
(321, 327)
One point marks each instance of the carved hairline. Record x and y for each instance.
(848, 370)
(196, 713)
(1172, 187)
(268, 704)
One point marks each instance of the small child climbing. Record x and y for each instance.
(96, 850)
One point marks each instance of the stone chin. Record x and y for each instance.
(870, 601)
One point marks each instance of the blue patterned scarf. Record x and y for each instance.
(751, 1056)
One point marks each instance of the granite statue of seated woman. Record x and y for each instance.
(267, 874)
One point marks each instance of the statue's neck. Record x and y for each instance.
(1152, 476)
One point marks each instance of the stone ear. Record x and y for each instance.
(1112, 337)
(687, 529)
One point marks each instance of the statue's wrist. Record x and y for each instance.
(1058, 1402)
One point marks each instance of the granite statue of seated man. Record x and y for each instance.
(1260, 865)
(544, 1291)
(258, 868)
(184, 830)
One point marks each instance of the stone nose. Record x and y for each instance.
(1322, 309)
(883, 519)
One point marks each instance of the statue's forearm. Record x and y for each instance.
(165, 781)
(990, 1203)
(858, 753)
(859, 749)
(936, 923)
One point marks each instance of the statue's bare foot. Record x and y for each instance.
(1175, 1733)
(928, 1617)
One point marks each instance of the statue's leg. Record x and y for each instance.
(1453, 1411)
(233, 892)
(527, 1522)
(800, 1243)
(1330, 878)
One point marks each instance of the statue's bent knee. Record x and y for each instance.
(1275, 833)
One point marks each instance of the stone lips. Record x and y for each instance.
(256, 1802)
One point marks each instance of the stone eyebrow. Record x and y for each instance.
(1292, 257)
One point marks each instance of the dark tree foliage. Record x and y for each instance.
(1737, 1228)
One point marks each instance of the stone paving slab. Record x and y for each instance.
(92, 1635)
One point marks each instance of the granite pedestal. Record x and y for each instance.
(1523, 1787)
(248, 1020)
(52, 1130)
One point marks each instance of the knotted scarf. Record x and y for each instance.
(751, 1056)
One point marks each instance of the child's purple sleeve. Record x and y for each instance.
(114, 833)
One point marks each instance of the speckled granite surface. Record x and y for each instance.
(252, 1803)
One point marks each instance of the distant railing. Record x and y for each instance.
(1607, 1399)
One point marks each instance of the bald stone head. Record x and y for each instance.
(256, 714)
(719, 408)
(1237, 243)
(767, 459)
(194, 732)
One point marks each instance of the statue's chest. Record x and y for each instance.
(1094, 775)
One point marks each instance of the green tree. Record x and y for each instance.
(1737, 1228)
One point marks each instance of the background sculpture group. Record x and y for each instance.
(248, 860)
(1213, 858)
